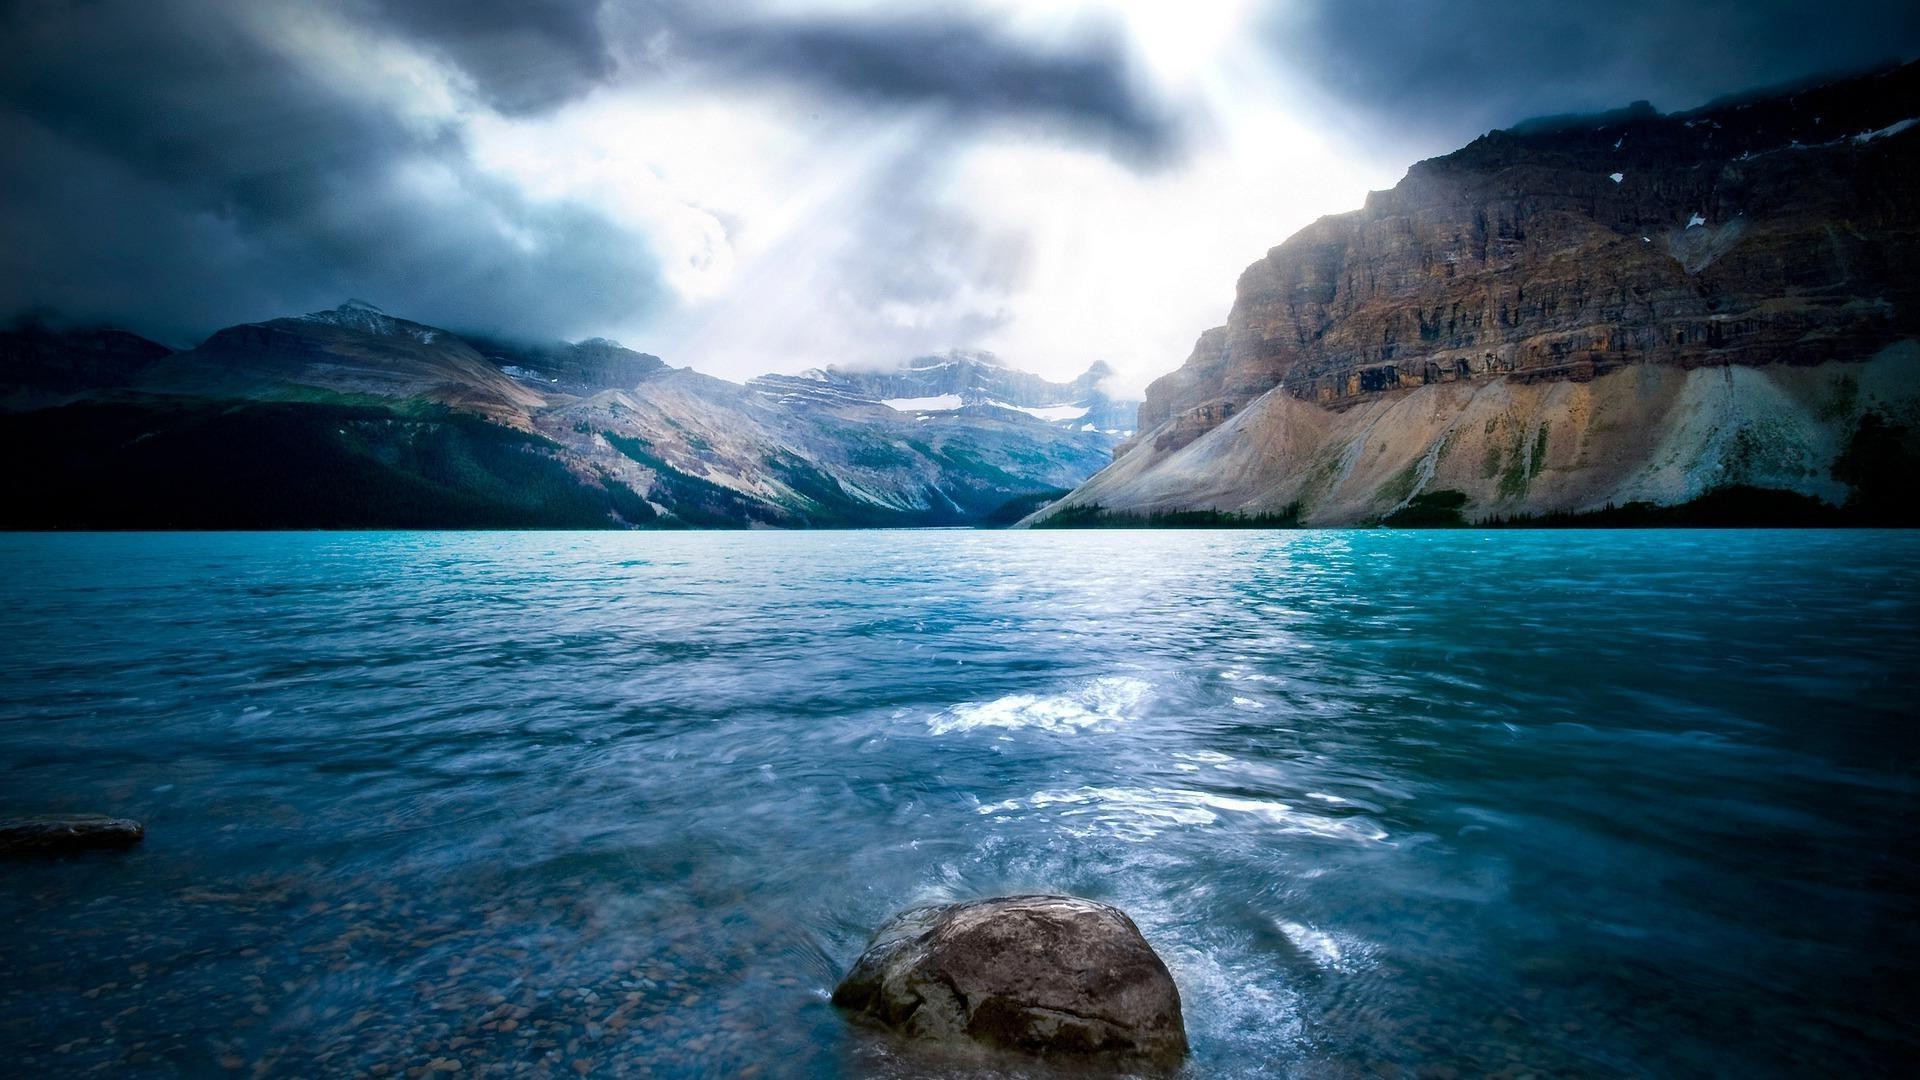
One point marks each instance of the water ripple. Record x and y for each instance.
(1388, 803)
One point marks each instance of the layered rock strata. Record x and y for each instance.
(1772, 230)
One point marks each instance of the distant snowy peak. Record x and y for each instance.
(367, 319)
(978, 379)
(1052, 414)
(933, 385)
(807, 388)
(955, 358)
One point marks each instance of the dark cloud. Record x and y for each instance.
(530, 55)
(524, 56)
(169, 170)
(1442, 72)
(1085, 86)
(178, 167)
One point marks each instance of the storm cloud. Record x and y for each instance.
(1440, 73)
(524, 56)
(755, 185)
(171, 168)
(958, 66)
(180, 167)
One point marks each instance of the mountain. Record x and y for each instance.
(572, 367)
(1577, 313)
(355, 352)
(46, 366)
(356, 418)
(711, 452)
(968, 380)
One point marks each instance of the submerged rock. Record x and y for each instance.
(53, 834)
(1051, 975)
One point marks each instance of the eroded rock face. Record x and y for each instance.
(1050, 975)
(1572, 314)
(1752, 232)
(1649, 433)
(54, 834)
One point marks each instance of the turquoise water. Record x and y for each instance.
(1442, 803)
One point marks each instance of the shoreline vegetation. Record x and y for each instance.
(1730, 507)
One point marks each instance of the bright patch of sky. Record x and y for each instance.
(776, 214)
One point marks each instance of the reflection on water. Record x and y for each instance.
(1444, 803)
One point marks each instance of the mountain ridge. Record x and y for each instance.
(414, 425)
(967, 379)
(1767, 231)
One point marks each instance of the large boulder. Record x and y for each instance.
(1048, 975)
(53, 834)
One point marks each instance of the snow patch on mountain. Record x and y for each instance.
(1888, 131)
(368, 319)
(937, 403)
(1052, 414)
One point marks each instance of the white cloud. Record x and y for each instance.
(796, 231)
(358, 61)
(1130, 267)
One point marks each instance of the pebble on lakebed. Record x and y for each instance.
(55, 834)
(1056, 976)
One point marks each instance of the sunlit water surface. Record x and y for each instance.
(1449, 803)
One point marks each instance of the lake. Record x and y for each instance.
(1450, 803)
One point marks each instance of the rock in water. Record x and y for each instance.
(67, 832)
(1051, 975)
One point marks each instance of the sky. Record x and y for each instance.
(771, 185)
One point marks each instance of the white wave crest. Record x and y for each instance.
(1109, 700)
(1144, 813)
(1317, 944)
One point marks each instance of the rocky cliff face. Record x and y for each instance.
(1590, 259)
(581, 367)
